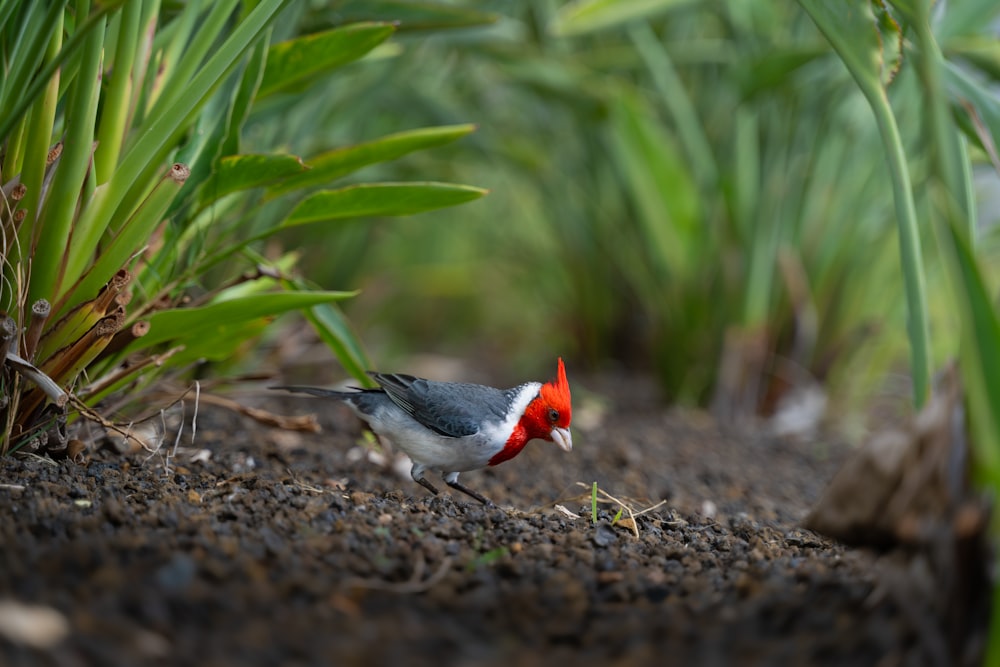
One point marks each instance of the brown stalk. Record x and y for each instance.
(72, 358)
(64, 364)
(106, 298)
(40, 311)
(51, 162)
(82, 318)
(124, 338)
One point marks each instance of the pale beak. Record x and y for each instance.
(562, 438)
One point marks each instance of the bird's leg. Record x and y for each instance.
(417, 473)
(427, 485)
(451, 479)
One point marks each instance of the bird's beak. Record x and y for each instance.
(562, 438)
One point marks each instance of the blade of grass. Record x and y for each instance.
(60, 206)
(117, 100)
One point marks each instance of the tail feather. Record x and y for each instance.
(319, 391)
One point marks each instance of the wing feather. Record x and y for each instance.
(450, 409)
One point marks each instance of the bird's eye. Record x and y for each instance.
(553, 415)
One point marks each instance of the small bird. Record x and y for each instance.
(452, 427)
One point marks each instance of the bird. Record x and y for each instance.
(455, 427)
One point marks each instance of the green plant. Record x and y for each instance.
(132, 218)
(593, 503)
(867, 37)
(486, 558)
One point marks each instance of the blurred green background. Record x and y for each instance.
(694, 190)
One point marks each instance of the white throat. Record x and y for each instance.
(498, 433)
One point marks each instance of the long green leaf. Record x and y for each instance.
(337, 163)
(977, 102)
(29, 50)
(183, 324)
(243, 172)
(188, 49)
(660, 183)
(291, 63)
(334, 330)
(414, 15)
(124, 242)
(59, 211)
(117, 100)
(584, 16)
(980, 354)
(375, 199)
(36, 149)
(854, 33)
(10, 115)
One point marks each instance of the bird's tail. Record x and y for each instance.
(319, 391)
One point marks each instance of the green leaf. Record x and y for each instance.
(243, 172)
(373, 199)
(661, 185)
(858, 36)
(982, 52)
(293, 62)
(334, 330)
(583, 16)
(414, 15)
(342, 161)
(868, 43)
(979, 105)
(242, 103)
(192, 324)
(979, 354)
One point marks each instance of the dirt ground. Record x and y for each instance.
(260, 546)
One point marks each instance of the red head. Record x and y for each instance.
(547, 417)
(556, 404)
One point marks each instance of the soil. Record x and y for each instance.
(261, 546)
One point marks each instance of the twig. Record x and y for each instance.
(414, 585)
(94, 416)
(40, 459)
(302, 485)
(304, 423)
(650, 509)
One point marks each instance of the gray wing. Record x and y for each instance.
(449, 408)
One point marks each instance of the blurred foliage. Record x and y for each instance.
(695, 189)
(958, 93)
(132, 222)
